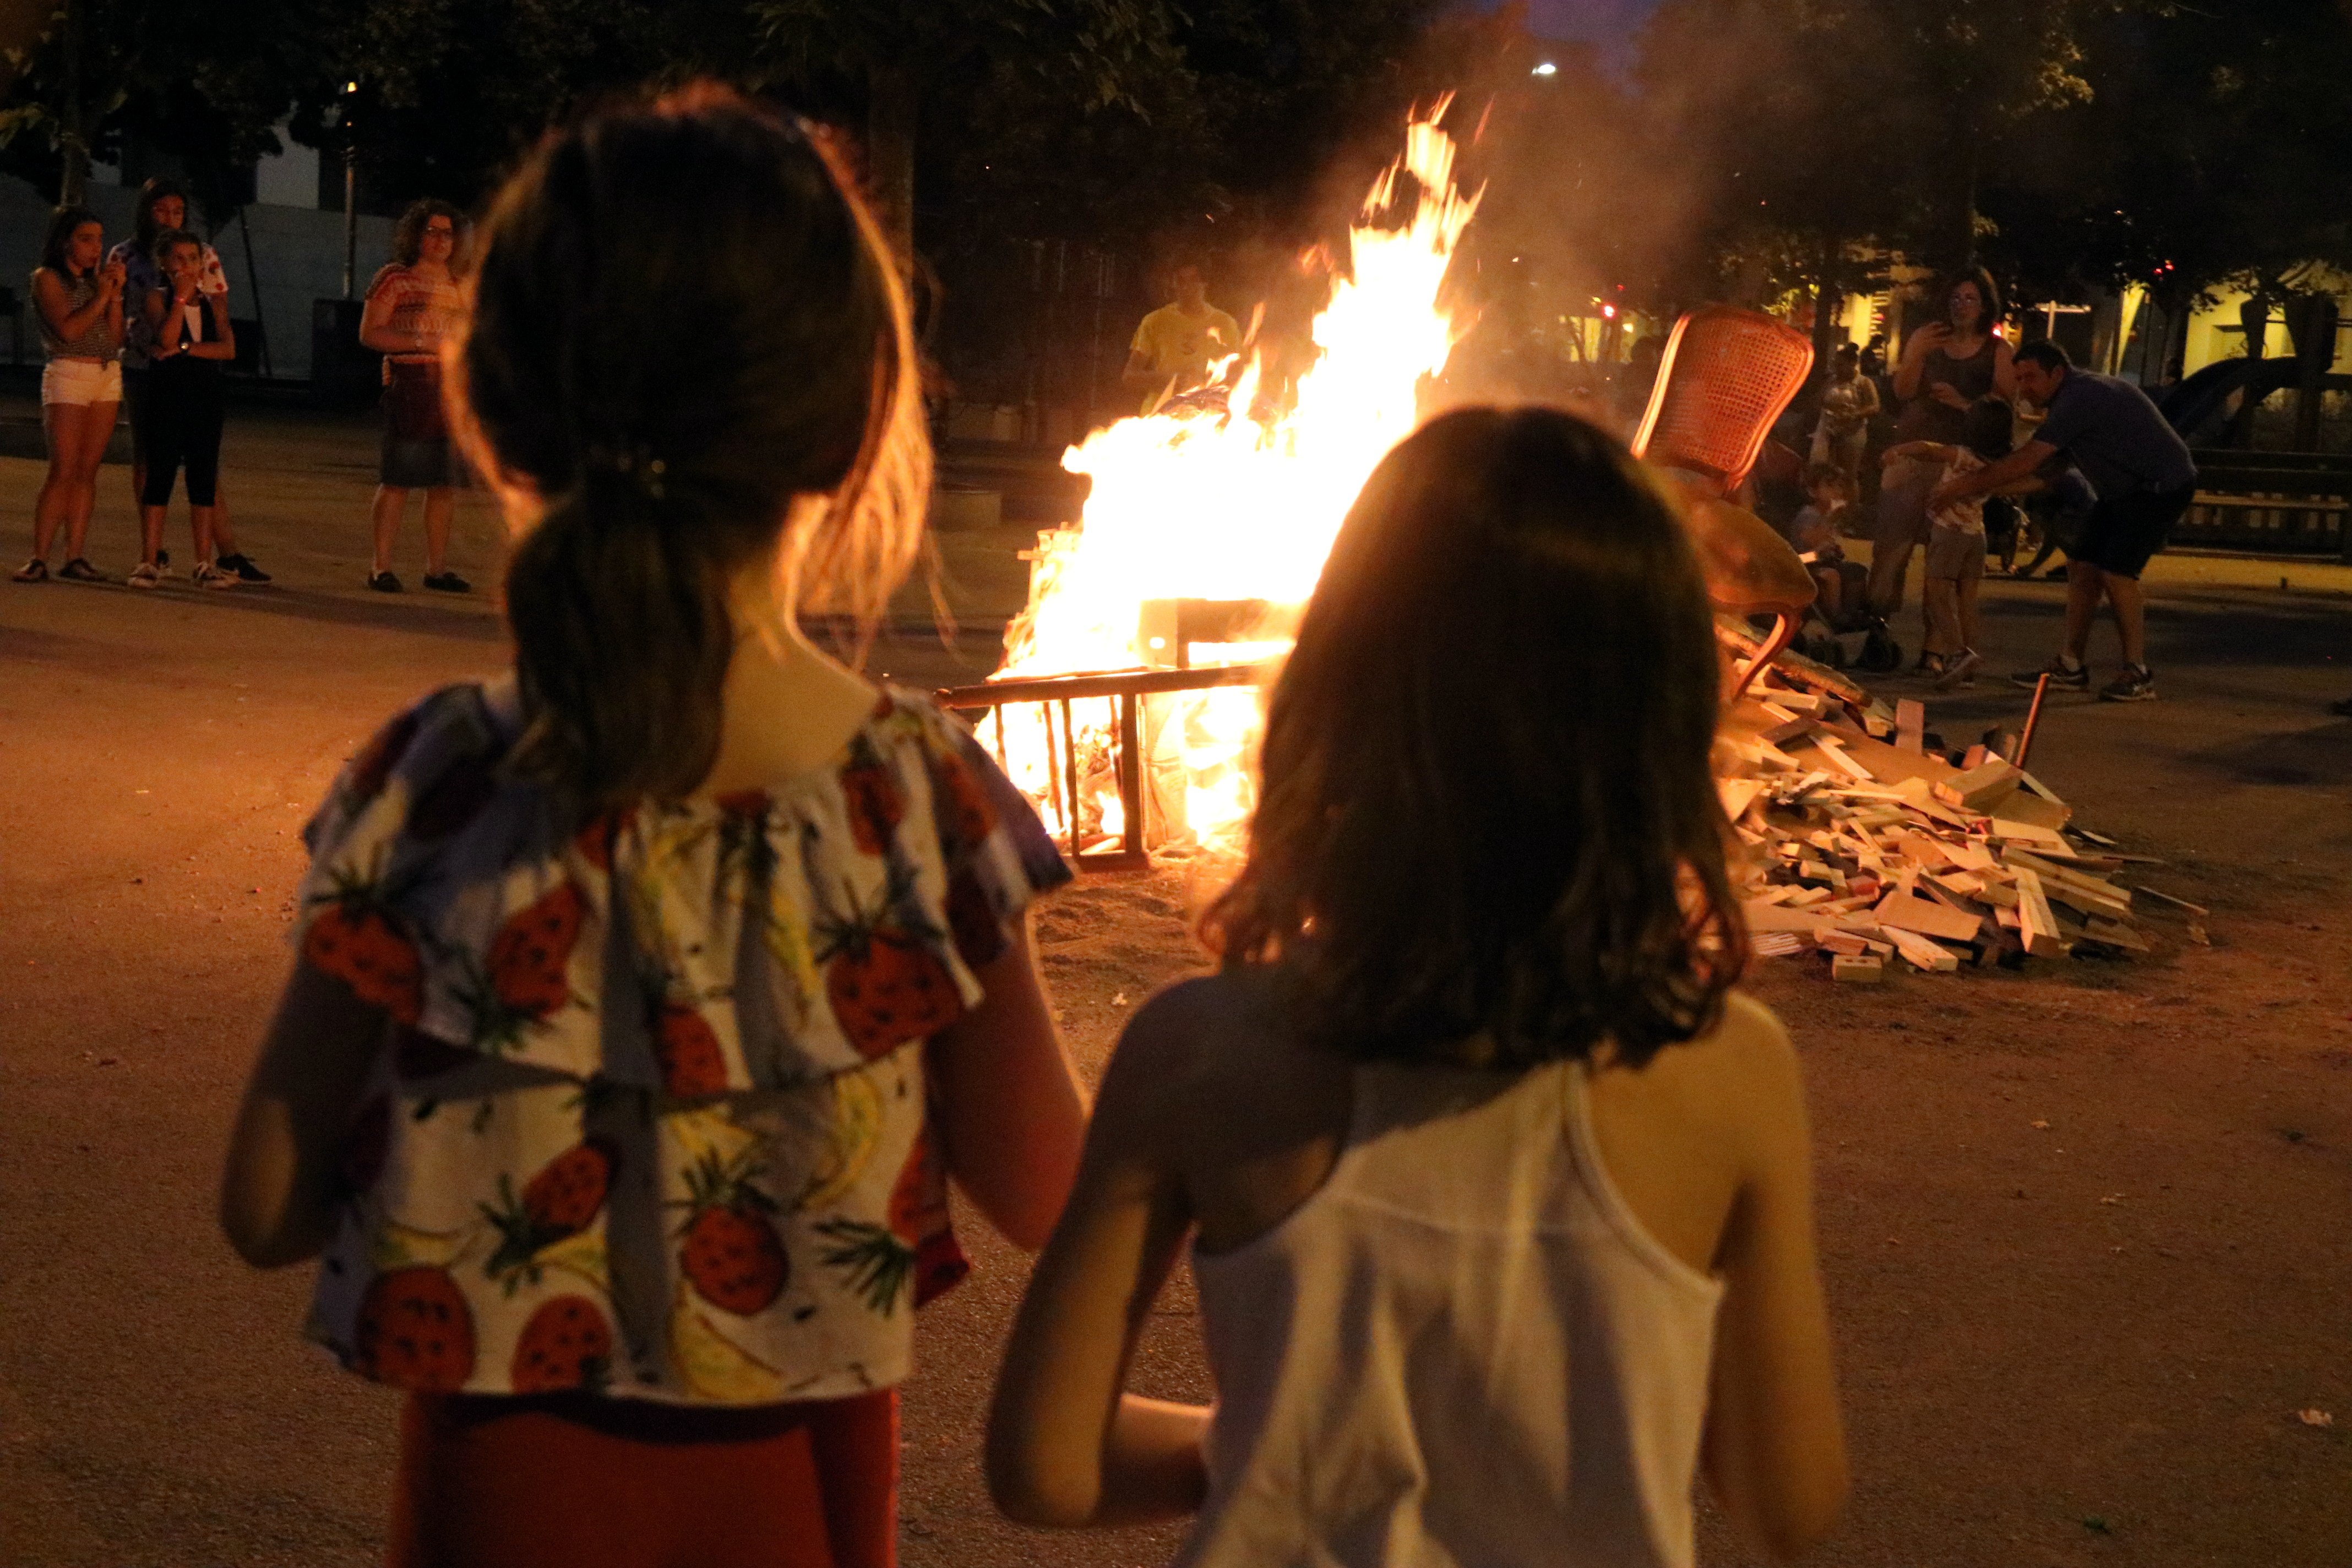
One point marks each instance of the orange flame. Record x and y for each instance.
(1199, 504)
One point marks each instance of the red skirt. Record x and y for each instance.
(558, 1481)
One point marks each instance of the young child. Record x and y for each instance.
(1956, 543)
(1497, 1194)
(646, 996)
(1814, 534)
(188, 338)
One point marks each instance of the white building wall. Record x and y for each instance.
(297, 257)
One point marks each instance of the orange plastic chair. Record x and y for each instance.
(1725, 375)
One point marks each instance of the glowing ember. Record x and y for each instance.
(1198, 504)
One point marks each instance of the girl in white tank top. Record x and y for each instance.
(1497, 1194)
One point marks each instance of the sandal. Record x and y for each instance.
(34, 571)
(79, 569)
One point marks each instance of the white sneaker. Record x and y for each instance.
(145, 575)
(207, 575)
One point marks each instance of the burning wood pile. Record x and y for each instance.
(1129, 705)
(1866, 846)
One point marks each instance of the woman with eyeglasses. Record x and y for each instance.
(412, 303)
(1946, 366)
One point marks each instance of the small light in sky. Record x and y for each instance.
(1545, 68)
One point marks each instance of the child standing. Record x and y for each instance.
(1956, 542)
(1814, 534)
(187, 339)
(647, 996)
(1497, 1194)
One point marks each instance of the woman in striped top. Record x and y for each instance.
(411, 304)
(78, 299)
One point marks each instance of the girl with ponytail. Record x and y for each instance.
(646, 998)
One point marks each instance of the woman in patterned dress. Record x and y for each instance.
(647, 996)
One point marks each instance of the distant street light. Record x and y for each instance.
(1545, 68)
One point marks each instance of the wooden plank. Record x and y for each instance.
(1980, 788)
(2113, 934)
(2033, 810)
(2177, 903)
(1921, 953)
(1778, 917)
(1970, 856)
(1838, 758)
(2038, 924)
(2041, 840)
(1907, 911)
(1737, 796)
(1916, 794)
(1910, 725)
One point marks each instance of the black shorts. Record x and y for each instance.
(2122, 532)
(134, 407)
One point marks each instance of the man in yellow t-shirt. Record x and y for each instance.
(1176, 345)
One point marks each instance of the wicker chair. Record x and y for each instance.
(1725, 375)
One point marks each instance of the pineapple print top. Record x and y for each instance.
(651, 1121)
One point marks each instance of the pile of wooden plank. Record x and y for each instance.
(1866, 846)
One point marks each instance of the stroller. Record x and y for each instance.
(1823, 639)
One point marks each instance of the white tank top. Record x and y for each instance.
(1463, 1349)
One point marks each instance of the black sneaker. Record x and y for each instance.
(242, 564)
(447, 583)
(2135, 684)
(384, 582)
(78, 570)
(2061, 678)
(34, 571)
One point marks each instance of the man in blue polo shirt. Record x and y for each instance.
(2145, 478)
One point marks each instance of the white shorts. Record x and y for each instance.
(81, 381)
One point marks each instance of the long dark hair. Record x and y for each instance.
(143, 227)
(408, 233)
(1487, 830)
(62, 223)
(683, 318)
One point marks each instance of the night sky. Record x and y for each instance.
(1609, 23)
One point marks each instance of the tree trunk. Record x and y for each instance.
(890, 116)
(73, 185)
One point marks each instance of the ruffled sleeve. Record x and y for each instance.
(997, 854)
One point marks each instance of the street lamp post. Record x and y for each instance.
(350, 194)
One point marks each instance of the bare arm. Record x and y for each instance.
(1915, 358)
(1925, 451)
(276, 1202)
(2021, 464)
(49, 297)
(376, 328)
(1775, 1448)
(1067, 1445)
(2004, 372)
(1013, 1116)
(224, 345)
(1139, 375)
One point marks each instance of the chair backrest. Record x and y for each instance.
(1725, 375)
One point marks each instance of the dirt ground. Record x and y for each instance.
(2087, 1228)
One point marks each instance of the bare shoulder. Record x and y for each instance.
(1190, 1038)
(1208, 1069)
(1742, 1070)
(1750, 1046)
